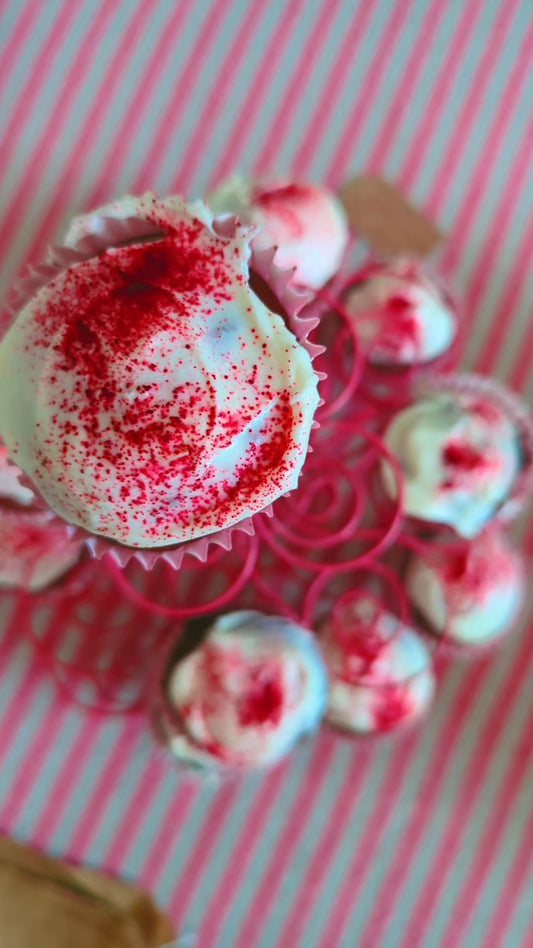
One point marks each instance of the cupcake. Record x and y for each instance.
(11, 488)
(244, 696)
(402, 317)
(472, 593)
(149, 394)
(380, 671)
(35, 551)
(461, 454)
(306, 223)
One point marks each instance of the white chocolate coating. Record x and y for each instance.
(380, 671)
(472, 595)
(307, 224)
(400, 315)
(246, 695)
(460, 456)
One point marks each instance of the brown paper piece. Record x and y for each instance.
(47, 903)
(156, 927)
(382, 217)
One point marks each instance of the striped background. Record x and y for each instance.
(422, 840)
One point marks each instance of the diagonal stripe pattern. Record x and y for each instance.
(420, 841)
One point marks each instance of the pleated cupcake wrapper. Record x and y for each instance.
(106, 232)
(479, 386)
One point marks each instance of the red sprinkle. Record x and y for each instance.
(107, 313)
(264, 701)
(286, 203)
(392, 706)
(462, 461)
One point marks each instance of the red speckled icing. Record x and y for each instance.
(400, 314)
(460, 454)
(246, 693)
(380, 671)
(162, 400)
(471, 593)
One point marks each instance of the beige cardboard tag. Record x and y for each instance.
(48, 904)
(382, 217)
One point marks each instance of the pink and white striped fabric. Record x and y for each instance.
(420, 840)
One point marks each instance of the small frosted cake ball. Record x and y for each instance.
(380, 671)
(10, 487)
(246, 695)
(305, 222)
(34, 552)
(401, 316)
(148, 392)
(472, 594)
(460, 456)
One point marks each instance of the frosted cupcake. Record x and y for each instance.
(462, 454)
(149, 394)
(306, 223)
(402, 316)
(472, 594)
(35, 551)
(380, 671)
(242, 698)
(11, 488)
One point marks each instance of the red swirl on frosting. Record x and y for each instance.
(473, 572)
(285, 204)
(392, 705)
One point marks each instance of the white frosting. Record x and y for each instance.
(402, 319)
(244, 697)
(127, 208)
(476, 601)
(380, 671)
(197, 419)
(306, 223)
(34, 552)
(459, 457)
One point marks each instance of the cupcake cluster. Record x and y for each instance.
(252, 685)
(158, 391)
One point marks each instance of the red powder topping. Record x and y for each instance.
(149, 387)
(360, 639)
(455, 567)
(485, 410)
(392, 706)
(287, 194)
(286, 204)
(478, 568)
(462, 461)
(460, 455)
(394, 328)
(400, 329)
(263, 702)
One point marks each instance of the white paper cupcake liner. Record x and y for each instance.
(97, 233)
